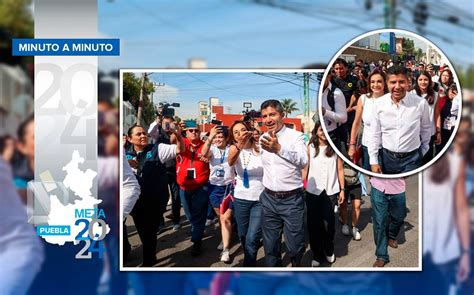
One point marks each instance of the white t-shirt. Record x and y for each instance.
(367, 110)
(221, 173)
(322, 174)
(252, 161)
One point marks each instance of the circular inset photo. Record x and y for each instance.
(390, 103)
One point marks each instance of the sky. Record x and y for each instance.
(232, 89)
(243, 34)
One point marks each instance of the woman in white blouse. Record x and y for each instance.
(377, 88)
(424, 89)
(325, 182)
(244, 156)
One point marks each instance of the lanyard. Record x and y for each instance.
(192, 157)
(222, 154)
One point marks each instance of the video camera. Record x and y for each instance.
(251, 115)
(166, 109)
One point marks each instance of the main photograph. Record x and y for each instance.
(231, 169)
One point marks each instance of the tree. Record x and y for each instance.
(16, 18)
(16, 21)
(289, 106)
(131, 92)
(419, 54)
(408, 46)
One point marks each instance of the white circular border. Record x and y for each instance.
(320, 98)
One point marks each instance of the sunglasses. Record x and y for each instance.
(193, 130)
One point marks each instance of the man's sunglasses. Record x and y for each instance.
(193, 130)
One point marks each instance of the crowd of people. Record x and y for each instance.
(390, 118)
(263, 182)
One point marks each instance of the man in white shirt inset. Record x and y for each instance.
(400, 130)
(284, 156)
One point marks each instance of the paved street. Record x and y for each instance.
(174, 246)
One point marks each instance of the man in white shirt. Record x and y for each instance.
(334, 110)
(400, 130)
(283, 157)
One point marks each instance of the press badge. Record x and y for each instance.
(191, 173)
(449, 122)
(220, 172)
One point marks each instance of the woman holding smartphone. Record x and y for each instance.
(244, 156)
(220, 182)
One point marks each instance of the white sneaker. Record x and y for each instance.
(221, 246)
(345, 230)
(225, 256)
(331, 259)
(314, 263)
(210, 222)
(356, 233)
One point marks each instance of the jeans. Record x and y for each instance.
(363, 185)
(365, 158)
(175, 198)
(430, 153)
(248, 215)
(395, 165)
(287, 215)
(385, 206)
(195, 204)
(321, 228)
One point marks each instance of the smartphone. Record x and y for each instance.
(216, 122)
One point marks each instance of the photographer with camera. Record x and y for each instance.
(216, 150)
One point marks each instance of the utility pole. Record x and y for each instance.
(390, 14)
(306, 102)
(140, 102)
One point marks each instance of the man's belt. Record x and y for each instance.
(400, 155)
(282, 195)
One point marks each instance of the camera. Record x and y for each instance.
(167, 126)
(166, 109)
(251, 115)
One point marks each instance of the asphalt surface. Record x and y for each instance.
(173, 249)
